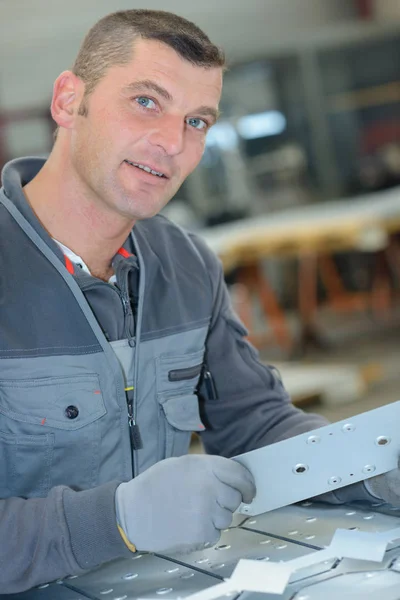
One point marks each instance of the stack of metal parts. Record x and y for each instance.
(277, 536)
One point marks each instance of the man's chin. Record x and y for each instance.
(144, 210)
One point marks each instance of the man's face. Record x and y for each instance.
(153, 112)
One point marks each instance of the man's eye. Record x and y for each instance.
(196, 123)
(146, 102)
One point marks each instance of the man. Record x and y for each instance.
(117, 337)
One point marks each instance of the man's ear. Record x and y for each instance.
(68, 92)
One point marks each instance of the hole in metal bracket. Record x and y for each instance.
(300, 468)
(334, 480)
(313, 439)
(382, 440)
(348, 427)
(369, 469)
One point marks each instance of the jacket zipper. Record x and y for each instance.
(127, 314)
(134, 432)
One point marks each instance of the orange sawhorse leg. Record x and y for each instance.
(255, 281)
(338, 297)
(308, 302)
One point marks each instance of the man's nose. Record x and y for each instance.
(169, 135)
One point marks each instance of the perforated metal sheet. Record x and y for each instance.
(374, 585)
(238, 543)
(297, 590)
(382, 508)
(315, 523)
(143, 576)
(154, 577)
(47, 592)
(323, 460)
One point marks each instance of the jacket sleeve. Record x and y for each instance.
(43, 539)
(252, 409)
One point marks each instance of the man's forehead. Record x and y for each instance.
(162, 58)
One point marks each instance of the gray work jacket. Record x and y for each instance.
(65, 426)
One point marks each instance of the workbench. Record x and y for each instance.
(361, 223)
(279, 535)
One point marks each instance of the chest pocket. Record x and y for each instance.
(49, 434)
(177, 379)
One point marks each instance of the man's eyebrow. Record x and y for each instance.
(149, 85)
(207, 111)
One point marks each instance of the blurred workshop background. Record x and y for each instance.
(299, 187)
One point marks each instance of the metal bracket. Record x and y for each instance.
(323, 460)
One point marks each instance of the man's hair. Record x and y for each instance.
(110, 42)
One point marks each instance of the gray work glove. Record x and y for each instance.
(385, 487)
(181, 504)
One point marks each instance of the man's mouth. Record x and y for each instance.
(147, 169)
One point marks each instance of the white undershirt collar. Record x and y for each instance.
(78, 261)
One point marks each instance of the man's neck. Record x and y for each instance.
(75, 220)
(103, 274)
